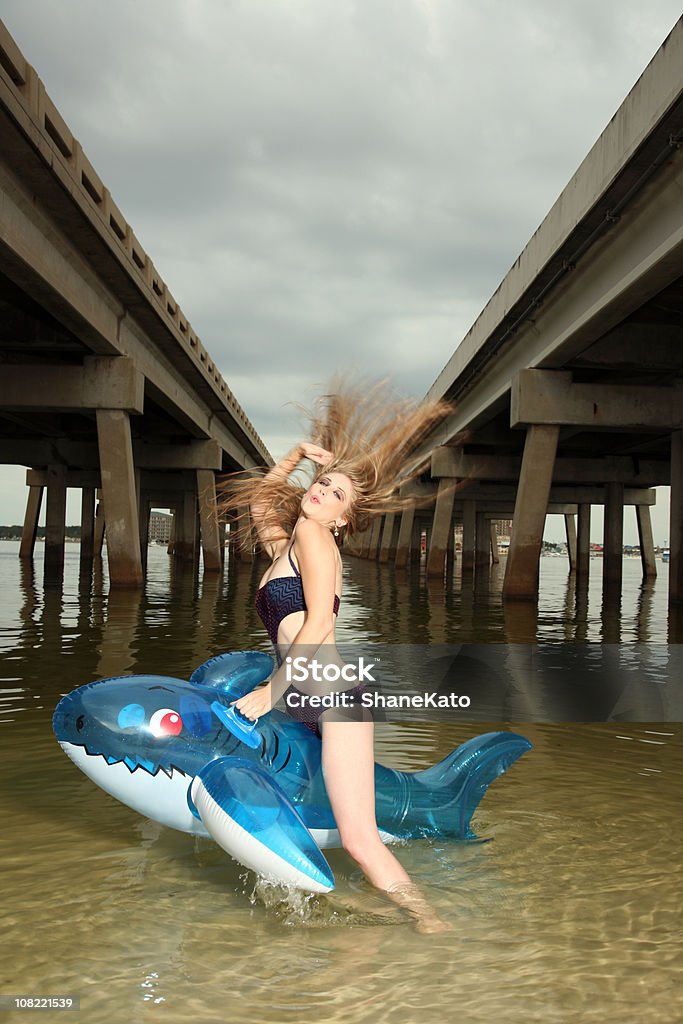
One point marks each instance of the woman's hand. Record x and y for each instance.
(315, 453)
(256, 703)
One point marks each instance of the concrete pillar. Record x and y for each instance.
(495, 554)
(442, 525)
(416, 539)
(144, 516)
(570, 531)
(55, 521)
(245, 554)
(208, 514)
(387, 548)
(676, 520)
(362, 543)
(375, 532)
(31, 520)
(87, 523)
(646, 541)
(100, 523)
(613, 544)
(482, 543)
(372, 542)
(469, 534)
(405, 534)
(583, 541)
(186, 527)
(170, 550)
(120, 497)
(533, 492)
(450, 548)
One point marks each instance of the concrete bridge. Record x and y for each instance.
(104, 384)
(569, 386)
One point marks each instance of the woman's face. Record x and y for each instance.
(328, 498)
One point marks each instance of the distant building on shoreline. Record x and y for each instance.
(160, 526)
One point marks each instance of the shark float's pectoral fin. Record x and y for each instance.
(234, 674)
(251, 818)
(467, 773)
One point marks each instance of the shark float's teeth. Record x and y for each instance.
(133, 763)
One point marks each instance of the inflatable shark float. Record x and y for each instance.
(177, 752)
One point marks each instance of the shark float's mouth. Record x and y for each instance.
(132, 763)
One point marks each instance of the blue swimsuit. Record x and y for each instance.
(275, 600)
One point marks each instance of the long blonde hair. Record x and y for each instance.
(373, 434)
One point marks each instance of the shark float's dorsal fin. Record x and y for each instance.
(234, 674)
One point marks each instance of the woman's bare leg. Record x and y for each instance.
(348, 766)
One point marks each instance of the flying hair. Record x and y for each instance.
(375, 436)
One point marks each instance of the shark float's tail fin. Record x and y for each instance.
(464, 776)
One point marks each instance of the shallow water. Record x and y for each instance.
(572, 913)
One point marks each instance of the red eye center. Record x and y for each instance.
(166, 722)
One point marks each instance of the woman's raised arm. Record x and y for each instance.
(269, 528)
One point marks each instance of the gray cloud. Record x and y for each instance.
(329, 185)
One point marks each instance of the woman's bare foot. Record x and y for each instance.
(432, 925)
(409, 896)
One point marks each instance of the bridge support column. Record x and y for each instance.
(676, 520)
(144, 517)
(208, 514)
(482, 544)
(613, 544)
(469, 534)
(375, 532)
(87, 523)
(120, 497)
(98, 539)
(583, 542)
(358, 541)
(533, 492)
(55, 523)
(442, 525)
(570, 532)
(647, 544)
(416, 540)
(170, 550)
(245, 554)
(450, 548)
(495, 554)
(186, 527)
(31, 520)
(405, 535)
(387, 548)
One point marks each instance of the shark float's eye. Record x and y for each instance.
(165, 722)
(131, 716)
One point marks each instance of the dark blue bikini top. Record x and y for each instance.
(281, 596)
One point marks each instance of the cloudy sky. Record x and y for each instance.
(333, 184)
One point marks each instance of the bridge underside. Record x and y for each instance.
(572, 376)
(104, 385)
(603, 430)
(97, 424)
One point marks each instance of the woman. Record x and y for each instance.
(362, 442)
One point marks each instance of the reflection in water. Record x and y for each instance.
(571, 912)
